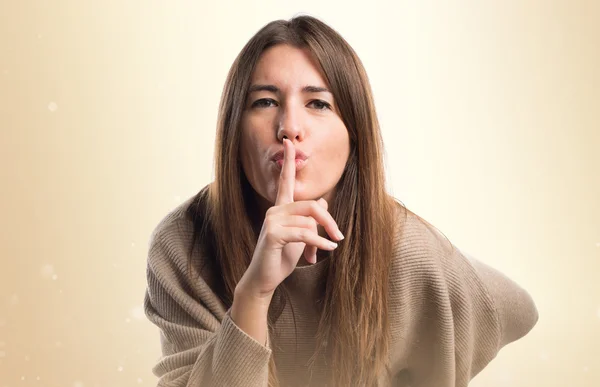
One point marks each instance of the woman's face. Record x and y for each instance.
(285, 101)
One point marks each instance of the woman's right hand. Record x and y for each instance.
(289, 228)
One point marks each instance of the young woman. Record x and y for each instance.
(295, 267)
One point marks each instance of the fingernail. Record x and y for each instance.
(333, 245)
(339, 235)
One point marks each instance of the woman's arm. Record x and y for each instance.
(490, 311)
(250, 313)
(516, 310)
(201, 344)
(459, 312)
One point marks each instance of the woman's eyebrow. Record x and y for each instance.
(275, 89)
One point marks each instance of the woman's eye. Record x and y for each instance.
(264, 102)
(321, 105)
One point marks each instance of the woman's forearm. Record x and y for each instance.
(250, 314)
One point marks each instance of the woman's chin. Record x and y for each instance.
(300, 195)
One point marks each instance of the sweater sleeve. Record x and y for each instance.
(200, 343)
(515, 308)
(499, 310)
(464, 312)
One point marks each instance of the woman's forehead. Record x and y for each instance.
(288, 69)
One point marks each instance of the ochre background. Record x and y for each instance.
(489, 111)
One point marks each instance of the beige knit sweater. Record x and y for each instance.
(449, 316)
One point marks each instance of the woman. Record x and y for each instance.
(245, 281)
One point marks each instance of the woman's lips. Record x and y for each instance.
(280, 155)
(300, 163)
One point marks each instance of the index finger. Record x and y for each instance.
(287, 179)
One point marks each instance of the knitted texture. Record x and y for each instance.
(449, 316)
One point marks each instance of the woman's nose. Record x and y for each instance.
(290, 125)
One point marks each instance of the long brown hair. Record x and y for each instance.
(354, 319)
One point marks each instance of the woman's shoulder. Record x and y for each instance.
(181, 239)
(425, 258)
(170, 242)
(175, 264)
(417, 239)
(176, 225)
(427, 266)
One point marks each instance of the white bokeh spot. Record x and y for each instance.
(120, 368)
(54, 277)
(544, 356)
(2, 354)
(77, 383)
(47, 271)
(137, 312)
(139, 380)
(52, 106)
(14, 299)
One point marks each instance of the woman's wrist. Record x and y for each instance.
(249, 312)
(251, 298)
(254, 293)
